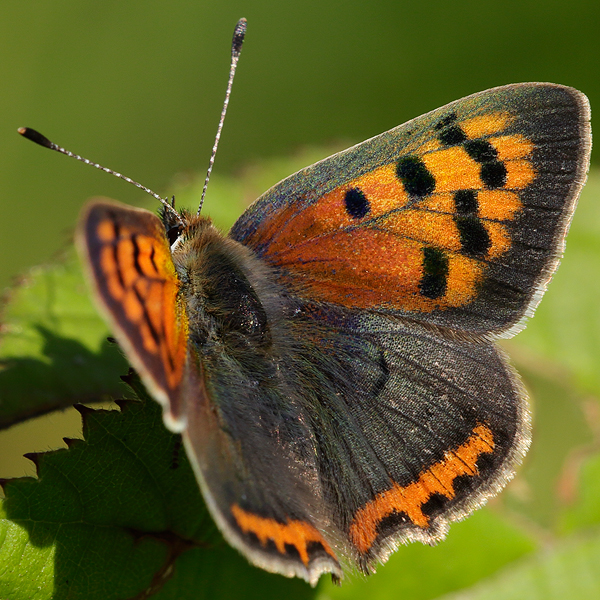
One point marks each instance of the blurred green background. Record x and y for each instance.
(138, 86)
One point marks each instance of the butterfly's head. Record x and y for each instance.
(182, 225)
(174, 222)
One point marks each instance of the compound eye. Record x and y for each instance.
(173, 233)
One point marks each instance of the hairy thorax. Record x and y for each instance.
(227, 298)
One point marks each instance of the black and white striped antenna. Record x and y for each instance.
(42, 140)
(236, 48)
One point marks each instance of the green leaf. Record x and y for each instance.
(584, 512)
(118, 515)
(567, 571)
(560, 431)
(53, 348)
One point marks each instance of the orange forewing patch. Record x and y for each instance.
(520, 173)
(139, 275)
(438, 479)
(296, 533)
(377, 260)
(486, 125)
(510, 147)
(498, 205)
(453, 170)
(381, 186)
(374, 268)
(499, 239)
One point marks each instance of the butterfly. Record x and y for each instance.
(331, 363)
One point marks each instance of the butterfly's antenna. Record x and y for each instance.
(236, 49)
(38, 138)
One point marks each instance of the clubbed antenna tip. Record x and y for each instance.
(238, 36)
(236, 47)
(36, 137)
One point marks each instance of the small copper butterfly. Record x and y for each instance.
(331, 362)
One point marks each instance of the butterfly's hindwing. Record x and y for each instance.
(383, 432)
(429, 442)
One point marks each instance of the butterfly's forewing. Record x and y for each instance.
(456, 218)
(132, 272)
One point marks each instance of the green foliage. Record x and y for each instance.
(119, 515)
(110, 517)
(53, 348)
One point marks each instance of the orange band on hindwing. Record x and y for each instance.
(295, 533)
(438, 479)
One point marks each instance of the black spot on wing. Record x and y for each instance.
(390, 524)
(465, 202)
(292, 552)
(434, 281)
(493, 171)
(452, 136)
(447, 120)
(357, 204)
(481, 151)
(493, 174)
(416, 178)
(451, 133)
(316, 550)
(436, 504)
(474, 237)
